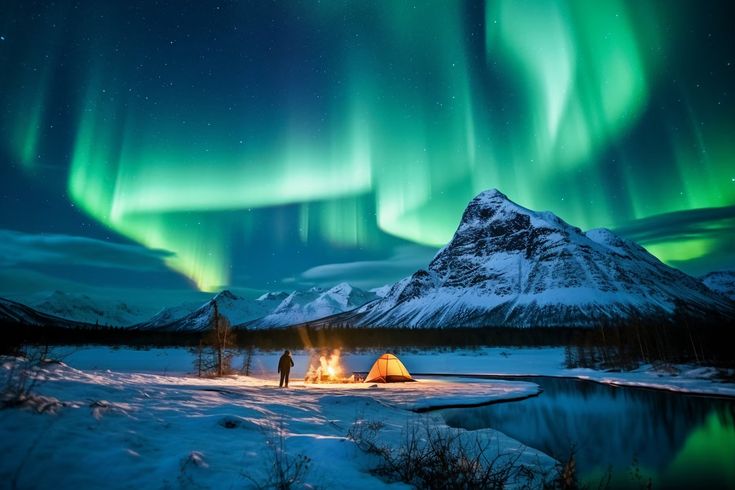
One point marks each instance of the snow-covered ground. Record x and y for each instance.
(128, 429)
(547, 361)
(138, 419)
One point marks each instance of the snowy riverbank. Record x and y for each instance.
(115, 429)
(499, 361)
(138, 419)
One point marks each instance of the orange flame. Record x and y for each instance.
(328, 370)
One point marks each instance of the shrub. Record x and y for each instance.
(283, 470)
(21, 377)
(437, 457)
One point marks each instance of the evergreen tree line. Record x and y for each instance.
(609, 345)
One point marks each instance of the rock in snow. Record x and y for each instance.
(722, 282)
(508, 265)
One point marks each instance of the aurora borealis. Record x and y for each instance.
(246, 144)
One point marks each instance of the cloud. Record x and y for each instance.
(14, 282)
(713, 226)
(29, 287)
(693, 223)
(404, 261)
(18, 248)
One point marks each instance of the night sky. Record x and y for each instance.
(159, 148)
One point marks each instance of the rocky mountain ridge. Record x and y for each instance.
(510, 266)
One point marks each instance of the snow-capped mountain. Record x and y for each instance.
(508, 265)
(12, 312)
(171, 314)
(303, 306)
(82, 308)
(382, 291)
(237, 310)
(274, 309)
(276, 297)
(722, 282)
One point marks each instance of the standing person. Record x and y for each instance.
(284, 367)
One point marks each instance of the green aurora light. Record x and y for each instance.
(414, 111)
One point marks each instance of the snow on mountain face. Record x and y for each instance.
(721, 282)
(507, 265)
(382, 291)
(274, 296)
(269, 310)
(236, 309)
(171, 314)
(315, 303)
(82, 308)
(12, 312)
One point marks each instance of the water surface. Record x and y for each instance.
(673, 440)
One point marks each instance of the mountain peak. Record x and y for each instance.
(226, 294)
(341, 288)
(492, 199)
(493, 214)
(490, 194)
(508, 265)
(491, 204)
(273, 296)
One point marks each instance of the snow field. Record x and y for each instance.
(502, 361)
(142, 430)
(137, 419)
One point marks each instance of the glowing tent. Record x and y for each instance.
(388, 369)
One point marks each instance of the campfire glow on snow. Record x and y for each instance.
(329, 370)
(386, 369)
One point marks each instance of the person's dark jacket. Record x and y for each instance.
(285, 363)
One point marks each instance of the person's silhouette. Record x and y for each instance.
(284, 367)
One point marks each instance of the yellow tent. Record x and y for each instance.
(388, 369)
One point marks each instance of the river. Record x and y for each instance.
(670, 439)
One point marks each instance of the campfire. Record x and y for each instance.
(328, 370)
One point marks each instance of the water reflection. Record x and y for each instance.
(675, 440)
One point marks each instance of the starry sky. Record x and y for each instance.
(168, 148)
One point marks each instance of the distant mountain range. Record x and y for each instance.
(269, 310)
(273, 309)
(14, 312)
(82, 308)
(303, 306)
(236, 309)
(505, 266)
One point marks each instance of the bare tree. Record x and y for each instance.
(216, 349)
(247, 364)
(199, 359)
